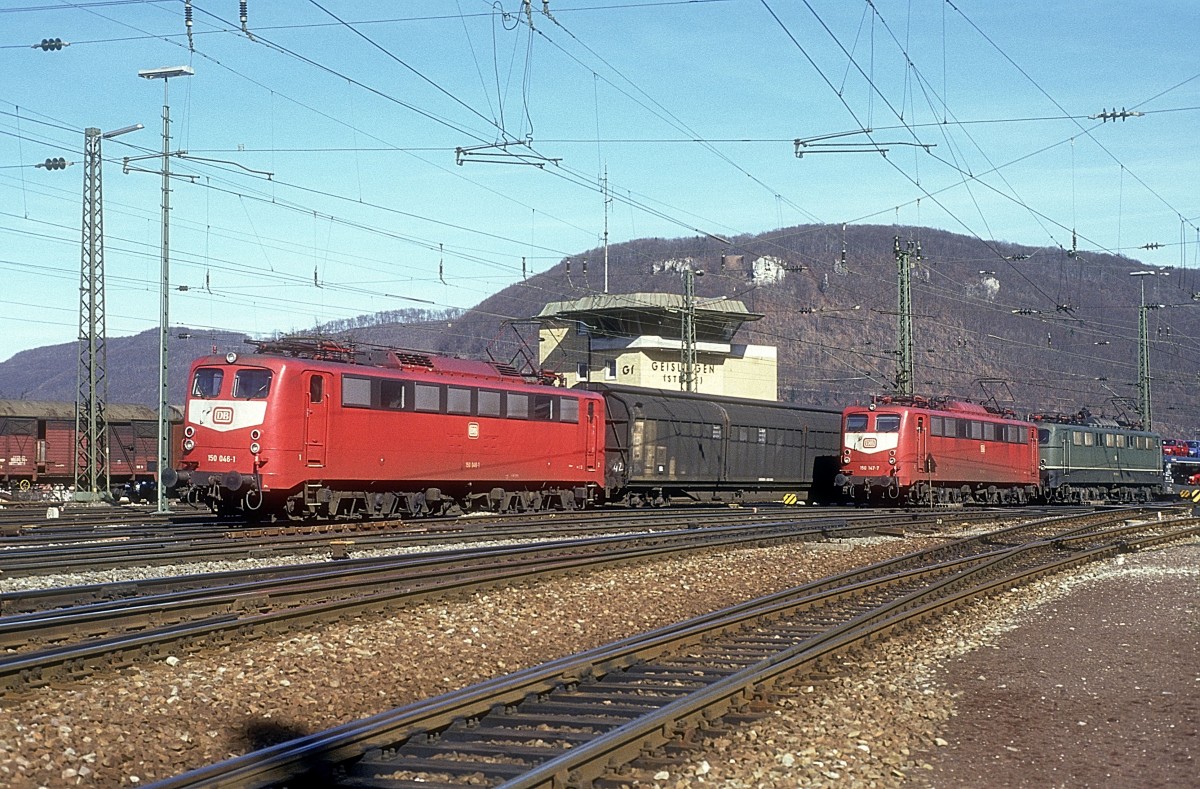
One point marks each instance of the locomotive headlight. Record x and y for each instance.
(891, 461)
(255, 448)
(230, 357)
(255, 435)
(189, 431)
(188, 445)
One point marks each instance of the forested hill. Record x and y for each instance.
(1050, 329)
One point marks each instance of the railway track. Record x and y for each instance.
(123, 625)
(108, 546)
(108, 626)
(576, 721)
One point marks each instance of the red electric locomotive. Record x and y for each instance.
(943, 451)
(314, 428)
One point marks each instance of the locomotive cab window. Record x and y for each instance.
(251, 384)
(1043, 435)
(887, 423)
(856, 423)
(207, 383)
(316, 389)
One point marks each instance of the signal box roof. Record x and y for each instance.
(650, 314)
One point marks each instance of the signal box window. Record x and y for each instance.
(610, 369)
(887, 423)
(856, 423)
(207, 383)
(251, 384)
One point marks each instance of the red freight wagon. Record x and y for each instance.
(38, 442)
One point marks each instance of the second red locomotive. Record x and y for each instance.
(316, 428)
(917, 451)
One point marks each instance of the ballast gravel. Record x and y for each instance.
(884, 719)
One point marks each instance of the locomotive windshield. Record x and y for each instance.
(887, 423)
(251, 384)
(207, 383)
(856, 423)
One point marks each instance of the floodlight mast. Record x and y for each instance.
(166, 74)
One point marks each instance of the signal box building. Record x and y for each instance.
(636, 339)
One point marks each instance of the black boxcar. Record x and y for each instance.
(661, 445)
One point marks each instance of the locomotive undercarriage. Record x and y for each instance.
(886, 490)
(232, 494)
(1117, 494)
(317, 500)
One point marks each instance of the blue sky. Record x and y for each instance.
(357, 109)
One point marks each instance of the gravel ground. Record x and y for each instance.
(1084, 680)
(151, 721)
(912, 711)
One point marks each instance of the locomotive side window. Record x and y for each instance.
(1089, 439)
(1077, 438)
(568, 410)
(516, 406)
(542, 405)
(989, 431)
(207, 383)
(856, 423)
(392, 395)
(458, 400)
(887, 423)
(1015, 435)
(489, 403)
(1120, 440)
(356, 392)
(937, 425)
(427, 397)
(251, 384)
(976, 430)
(316, 389)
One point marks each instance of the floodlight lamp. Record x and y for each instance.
(123, 130)
(166, 72)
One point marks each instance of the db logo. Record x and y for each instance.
(222, 416)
